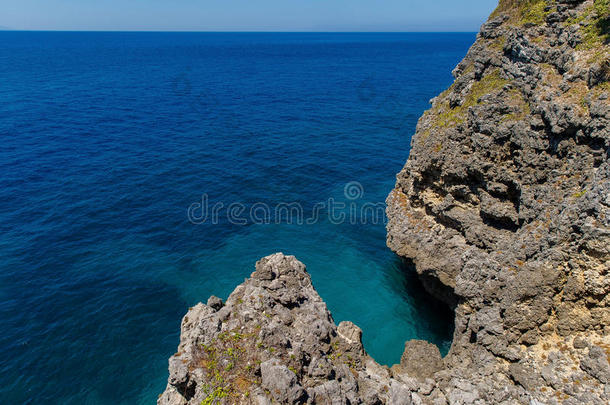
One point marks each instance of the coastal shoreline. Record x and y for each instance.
(503, 207)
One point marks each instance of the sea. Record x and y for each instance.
(142, 172)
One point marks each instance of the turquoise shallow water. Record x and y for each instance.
(109, 138)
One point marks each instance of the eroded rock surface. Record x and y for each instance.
(505, 200)
(274, 341)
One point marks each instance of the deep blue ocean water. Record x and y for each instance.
(107, 139)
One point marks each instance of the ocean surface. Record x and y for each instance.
(113, 145)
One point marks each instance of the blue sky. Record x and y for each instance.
(246, 15)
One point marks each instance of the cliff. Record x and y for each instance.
(503, 205)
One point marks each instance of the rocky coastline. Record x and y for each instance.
(503, 206)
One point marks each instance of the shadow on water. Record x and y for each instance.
(435, 317)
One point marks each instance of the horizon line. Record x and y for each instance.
(247, 31)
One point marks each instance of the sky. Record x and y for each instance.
(245, 15)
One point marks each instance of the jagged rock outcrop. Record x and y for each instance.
(274, 341)
(505, 204)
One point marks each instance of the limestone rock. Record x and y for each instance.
(420, 359)
(596, 364)
(274, 341)
(505, 201)
(215, 303)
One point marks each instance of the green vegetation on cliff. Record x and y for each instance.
(595, 24)
(595, 20)
(524, 11)
(447, 116)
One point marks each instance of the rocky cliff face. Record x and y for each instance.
(503, 205)
(504, 202)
